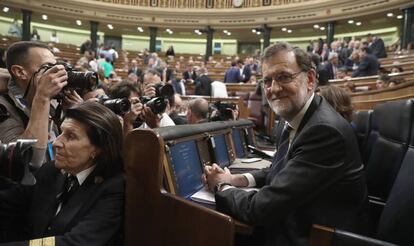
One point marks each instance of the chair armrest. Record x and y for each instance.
(326, 236)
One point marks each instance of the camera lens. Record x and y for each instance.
(82, 80)
(119, 106)
(157, 105)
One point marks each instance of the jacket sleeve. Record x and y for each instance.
(317, 160)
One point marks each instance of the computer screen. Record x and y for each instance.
(238, 144)
(221, 151)
(186, 165)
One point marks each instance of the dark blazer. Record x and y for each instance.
(203, 85)
(329, 70)
(321, 181)
(247, 73)
(232, 75)
(189, 75)
(378, 48)
(368, 66)
(136, 71)
(92, 216)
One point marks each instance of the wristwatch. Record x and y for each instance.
(219, 186)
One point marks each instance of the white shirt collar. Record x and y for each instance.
(295, 122)
(81, 176)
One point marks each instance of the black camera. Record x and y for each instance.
(85, 81)
(159, 103)
(15, 157)
(224, 111)
(119, 106)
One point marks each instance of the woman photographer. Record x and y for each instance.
(78, 199)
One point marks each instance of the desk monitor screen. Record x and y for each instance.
(221, 151)
(186, 165)
(238, 143)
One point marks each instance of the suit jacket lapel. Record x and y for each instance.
(45, 208)
(68, 212)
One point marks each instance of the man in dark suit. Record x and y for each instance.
(368, 64)
(203, 83)
(233, 74)
(377, 46)
(190, 75)
(331, 66)
(317, 159)
(135, 69)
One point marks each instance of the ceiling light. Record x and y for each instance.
(390, 14)
(225, 31)
(322, 28)
(289, 31)
(284, 29)
(228, 33)
(78, 22)
(399, 16)
(44, 17)
(358, 23)
(253, 30)
(6, 9)
(316, 26)
(168, 30)
(140, 29)
(258, 33)
(110, 26)
(199, 33)
(351, 22)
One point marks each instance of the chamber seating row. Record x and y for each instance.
(387, 148)
(164, 168)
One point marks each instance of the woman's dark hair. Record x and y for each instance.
(338, 99)
(123, 90)
(104, 130)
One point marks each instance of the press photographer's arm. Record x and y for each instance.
(46, 85)
(29, 95)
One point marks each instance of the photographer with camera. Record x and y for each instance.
(156, 101)
(24, 110)
(126, 89)
(224, 111)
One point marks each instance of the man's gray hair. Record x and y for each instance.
(303, 59)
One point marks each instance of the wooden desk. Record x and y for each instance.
(153, 217)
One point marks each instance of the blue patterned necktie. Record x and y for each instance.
(282, 150)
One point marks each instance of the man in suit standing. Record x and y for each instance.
(135, 69)
(331, 66)
(368, 64)
(377, 46)
(233, 74)
(203, 83)
(317, 159)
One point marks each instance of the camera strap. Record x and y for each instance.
(22, 115)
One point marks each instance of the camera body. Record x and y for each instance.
(14, 157)
(83, 81)
(119, 106)
(159, 103)
(224, 111)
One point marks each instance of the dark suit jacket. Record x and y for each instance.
(368, 66)
(378, 48)
(136, 71)
(203, 85)
(92, 216)
(247, 73)
(320, 181)
(232, 75)
(329, 70)
(189, 75)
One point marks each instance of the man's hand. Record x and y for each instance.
(214, 174)
(136, 110)
(71, 98)
(150, 118)
(50, 82)
(149, 91)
